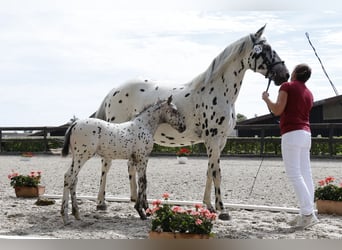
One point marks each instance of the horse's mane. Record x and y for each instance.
(230, 53)
(157, 104)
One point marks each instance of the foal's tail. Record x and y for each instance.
(65, 150)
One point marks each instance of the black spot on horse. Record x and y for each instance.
(211, 90)
(187, 95)
(116, 92)
(215, 101)
(221, 120)
(120, 101)
(143, 90)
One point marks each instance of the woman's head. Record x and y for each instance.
(301, 72)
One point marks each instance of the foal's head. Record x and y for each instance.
(170, 115)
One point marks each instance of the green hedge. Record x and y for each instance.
(234, 146)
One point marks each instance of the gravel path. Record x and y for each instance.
(21, 217)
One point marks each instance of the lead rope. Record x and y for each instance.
(263, 157)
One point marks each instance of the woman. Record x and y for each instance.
(293, 104)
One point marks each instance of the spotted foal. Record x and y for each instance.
(132, 140)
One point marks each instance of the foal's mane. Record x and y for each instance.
(156, 104)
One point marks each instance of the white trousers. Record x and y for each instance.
(295, 147)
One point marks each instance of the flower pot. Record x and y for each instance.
(29, 192)
(329, 207)
(182, 159)
(170, 235)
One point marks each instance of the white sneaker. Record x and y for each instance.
(306, 221)
(294, 221)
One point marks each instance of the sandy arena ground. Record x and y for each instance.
(21, 217)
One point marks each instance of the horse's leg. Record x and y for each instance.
(214, 175)
(132, 179)
(78, 163)
(101, 204)
(141, 202)
(68, 179)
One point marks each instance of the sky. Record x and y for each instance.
(58, 59)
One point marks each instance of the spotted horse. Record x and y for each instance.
(206, 102)
(132, 140)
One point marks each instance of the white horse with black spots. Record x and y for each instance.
(132, 140)
(207, 103)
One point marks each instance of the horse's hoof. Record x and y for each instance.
(143, 217)
(101, 207)
(224, 216)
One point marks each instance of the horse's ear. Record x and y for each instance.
(259, 33)
(169, 100)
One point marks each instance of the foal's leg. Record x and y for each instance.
(101, 204)
(68, 179)
(132, 179)
(70, 182)
(78, 164)
(141, 202)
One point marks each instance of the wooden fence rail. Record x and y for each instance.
(41, 135)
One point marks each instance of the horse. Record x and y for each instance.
(132, 140)
(207, 102)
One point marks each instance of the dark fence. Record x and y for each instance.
(24, 141)
(40, 140)
(330, 146)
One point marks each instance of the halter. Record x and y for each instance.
(269, 64)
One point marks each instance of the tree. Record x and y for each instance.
(240, 117)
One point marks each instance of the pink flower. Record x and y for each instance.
(149, 211)
(156, 203)
(212, 216)
(198, 206)
(177, 209)
(194, 213)
(321, 182)
(198, 222)
(329, 179)
(166, 196)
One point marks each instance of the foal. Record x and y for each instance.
(132, 140)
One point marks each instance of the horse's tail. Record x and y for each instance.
(65, 149)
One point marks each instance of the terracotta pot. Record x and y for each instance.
(329, 207)
(29, 192)
(182, 159)
(170, 235)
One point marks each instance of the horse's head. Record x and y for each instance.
(265, 60)
(172, 116)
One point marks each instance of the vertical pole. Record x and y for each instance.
(0, 140)
(262, 141)
(45, 139)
